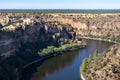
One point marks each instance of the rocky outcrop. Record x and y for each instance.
(1, 26)
(93, 24)
(30, 35)
(21, 29)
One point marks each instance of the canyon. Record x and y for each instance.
(18, 29)
(30, 32)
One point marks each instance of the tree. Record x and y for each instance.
(95, 53)
(84, 64)
(90, 58)
(89, 78)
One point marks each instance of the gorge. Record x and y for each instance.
(27, 33)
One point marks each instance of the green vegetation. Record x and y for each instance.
(85, 11)
(90, 58)
(96, 53)
(107, 37)
(89, 78)
(11, 68)
(84, 64)
(91, 64)
(107, 62)
(117, 38)
(52, 49)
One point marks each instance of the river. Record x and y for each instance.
(65, 66)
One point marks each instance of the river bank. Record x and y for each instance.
(49, 55)
(115, 42)
(82, 77)
(59, 53)
(107, 62)
(78, 46)
(108, 40)
(64, 66)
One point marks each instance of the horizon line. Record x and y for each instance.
(60, 9)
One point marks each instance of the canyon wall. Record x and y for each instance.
(32, 30)
(29, 33)
(92, 24)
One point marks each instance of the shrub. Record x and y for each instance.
(84, 64)
(89, 78)
(114, 51)
(52, 49)
(96, 53)
(90, 58)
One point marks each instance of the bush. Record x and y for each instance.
(52, 49)
(84, 64)
(114, 51)
(96, 53)
(89, 78)
(90, 58)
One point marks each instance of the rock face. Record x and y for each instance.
(29, 34)
(32, 30)
(94, 24)
(1, 26)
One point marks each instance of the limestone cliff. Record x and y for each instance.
(29, 33)
(19, 29)
(93, 24)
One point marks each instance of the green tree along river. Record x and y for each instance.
(65, 66)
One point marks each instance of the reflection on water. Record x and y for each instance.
(54, 64)
(65, 66)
